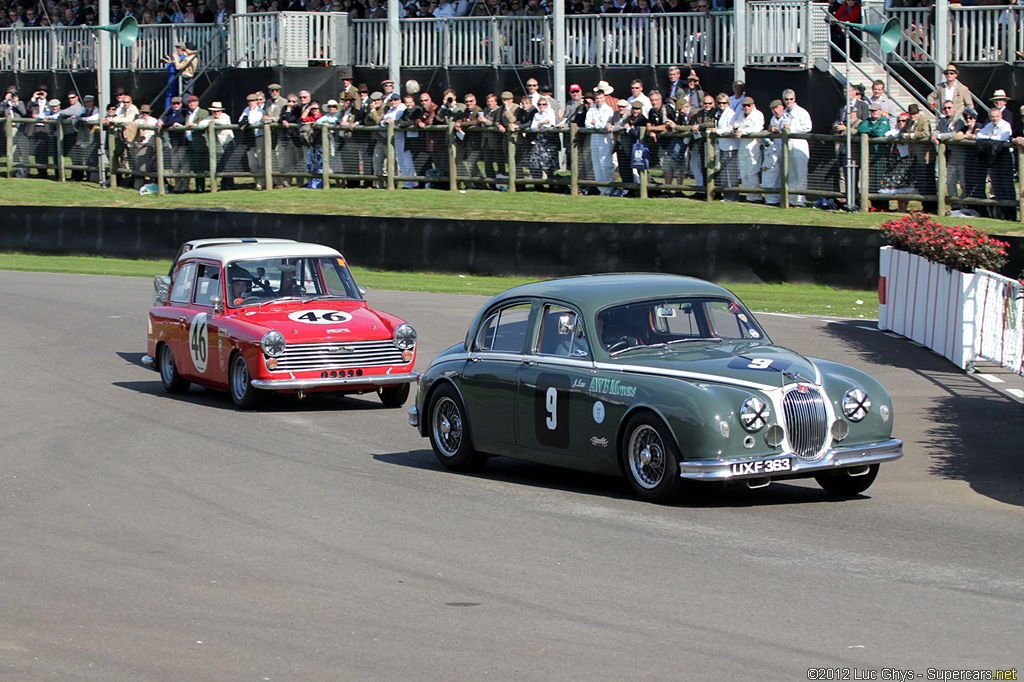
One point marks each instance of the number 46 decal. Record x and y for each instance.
(199, 342)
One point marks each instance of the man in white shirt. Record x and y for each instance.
(739, 92)
(798, 121)
(991, 147)
(728, 145)
(599, 119)
(772, 161)
(251, 120)
(750, 121)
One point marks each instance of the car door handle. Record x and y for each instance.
(529, 362)
(474, 359)
(182, 321)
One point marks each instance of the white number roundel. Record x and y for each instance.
(199, 342)
(319, 316)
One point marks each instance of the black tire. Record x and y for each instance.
(448, 430)
(169, 377)
(650, 459)
(393, 396)
(245, 395)
(841, 483)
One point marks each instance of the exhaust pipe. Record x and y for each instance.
(755, 483)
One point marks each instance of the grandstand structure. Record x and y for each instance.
(779, 35)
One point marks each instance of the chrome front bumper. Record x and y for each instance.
(149, 362)
(334, 382)
(859, 455)
(414, 417)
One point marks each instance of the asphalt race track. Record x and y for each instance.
(145, 537)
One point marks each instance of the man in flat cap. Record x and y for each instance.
(172, 131)
(749, 159)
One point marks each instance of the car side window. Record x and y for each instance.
(505, 330)
(561, 333)
(182, 291)
(207, 284)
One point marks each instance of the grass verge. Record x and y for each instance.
(798, 299)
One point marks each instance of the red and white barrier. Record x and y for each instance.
(961, 316)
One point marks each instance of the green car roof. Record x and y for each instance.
(593, 292)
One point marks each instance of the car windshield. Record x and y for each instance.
(253, 282)
(674, 321)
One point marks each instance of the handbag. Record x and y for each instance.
(641, 157)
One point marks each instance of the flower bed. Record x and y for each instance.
(960, 247)
(928, 290)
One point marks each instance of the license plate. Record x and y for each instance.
(761, 467)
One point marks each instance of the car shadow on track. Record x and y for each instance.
(707, 495)
(221, 400)
(972, 431)
(198, 395)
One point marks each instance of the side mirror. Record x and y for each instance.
(218, 304)
(161, 284)
(362, 292)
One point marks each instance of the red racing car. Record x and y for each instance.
(286, 317)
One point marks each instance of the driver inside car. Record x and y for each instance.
(616, 331)
(241, 284)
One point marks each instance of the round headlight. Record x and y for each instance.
(856, 404)
(273, 343)
(754, 414)
(405, 336)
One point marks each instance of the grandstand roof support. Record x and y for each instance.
(560, 86)
(394, 45)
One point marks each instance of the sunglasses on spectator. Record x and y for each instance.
(542, 104)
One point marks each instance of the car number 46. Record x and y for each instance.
(199, 342)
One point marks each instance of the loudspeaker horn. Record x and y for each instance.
(126, 32)
(888, 34)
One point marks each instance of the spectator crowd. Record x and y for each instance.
(619, 137)
(27, 14)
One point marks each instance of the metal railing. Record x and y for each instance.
(787, 33)
(74, 48)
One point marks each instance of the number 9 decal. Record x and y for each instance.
(199, 342)
(551, 401)
(551, 410)
(760, 363)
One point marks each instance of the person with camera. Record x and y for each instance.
(181, 69)
(31, 138)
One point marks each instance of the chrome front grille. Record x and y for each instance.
(806, 422)
(299, 357)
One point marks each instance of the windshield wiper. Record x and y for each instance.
(696, 339)
(629, 348)
(279, 300)
(323, 297)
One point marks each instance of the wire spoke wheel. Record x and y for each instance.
(650, 459)
(647, 457)
(448, 427)
(449, 432)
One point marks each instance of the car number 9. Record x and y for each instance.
(551, 402)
